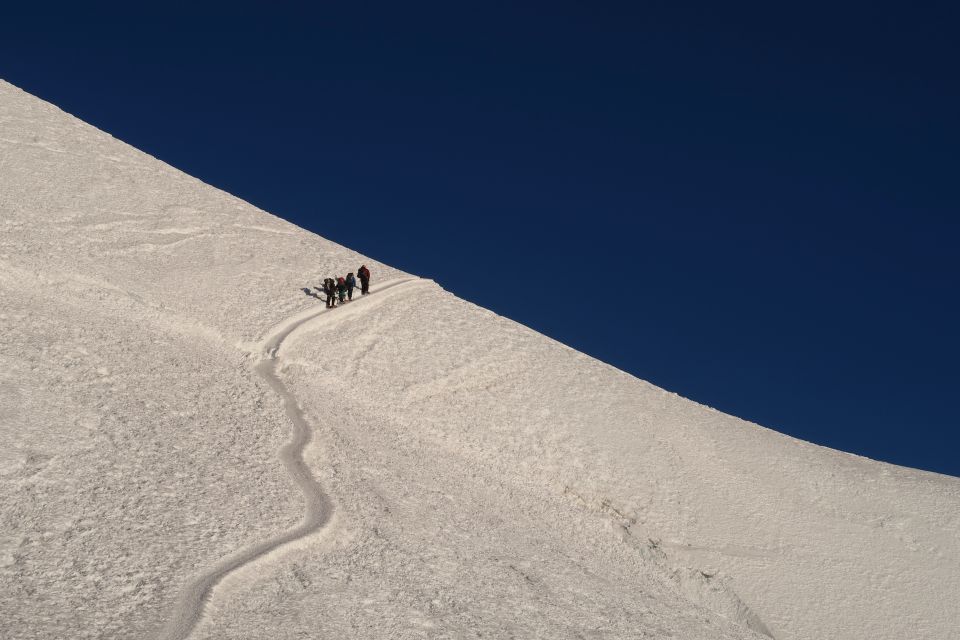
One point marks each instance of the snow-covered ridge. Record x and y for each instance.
(157, 355)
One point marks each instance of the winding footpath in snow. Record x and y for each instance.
(318, 508)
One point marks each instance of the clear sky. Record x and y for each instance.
(753, 205)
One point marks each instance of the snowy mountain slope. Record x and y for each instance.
(479, 479)
(736, 516)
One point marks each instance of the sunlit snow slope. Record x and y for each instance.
(194, 447)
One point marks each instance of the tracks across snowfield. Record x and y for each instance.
(318, 508)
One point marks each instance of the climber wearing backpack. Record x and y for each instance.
(364, 274)
(331, 290)
(351, 285)
(341, 288)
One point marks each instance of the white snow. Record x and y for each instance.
(193, 447)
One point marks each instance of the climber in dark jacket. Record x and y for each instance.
(330, 289)
(364, 274)
(351, 285)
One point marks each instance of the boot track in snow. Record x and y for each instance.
(318, 508)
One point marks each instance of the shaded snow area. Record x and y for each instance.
(195, 448)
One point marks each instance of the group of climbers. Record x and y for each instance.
(340, 289)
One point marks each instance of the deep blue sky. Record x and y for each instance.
(753, 205)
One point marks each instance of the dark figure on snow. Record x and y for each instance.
(330, 289)
(351, 285)
(341, 289)
(364, 274)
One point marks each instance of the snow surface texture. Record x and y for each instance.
(195, 448)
